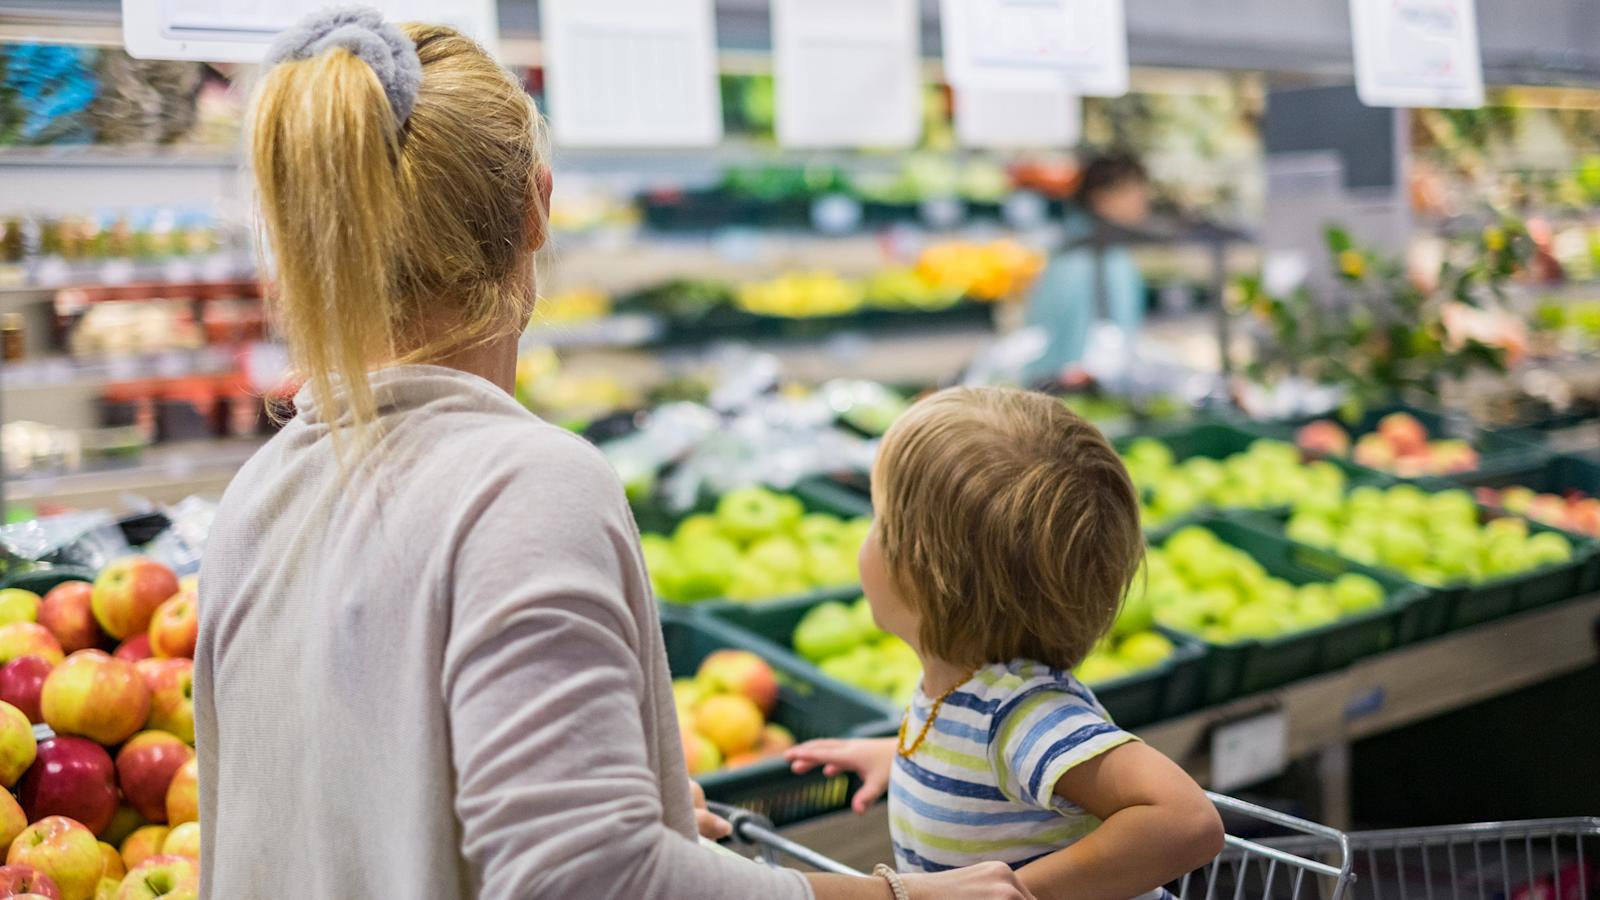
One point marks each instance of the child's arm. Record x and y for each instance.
(869, 759)
(1156, 825)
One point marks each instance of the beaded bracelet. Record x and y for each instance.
(893, 877)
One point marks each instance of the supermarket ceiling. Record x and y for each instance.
(1524, 41)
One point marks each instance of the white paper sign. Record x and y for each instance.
(1249, 751)
(241, 30)
(1075, 45)
(1417, 53)
(847, 73)
(1015, 118)
(631, 73)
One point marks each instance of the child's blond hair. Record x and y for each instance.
(1009, 524)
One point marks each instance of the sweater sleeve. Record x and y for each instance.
(554, 790)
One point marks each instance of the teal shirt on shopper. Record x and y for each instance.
(1062, 302)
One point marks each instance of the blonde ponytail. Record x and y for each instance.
(395, 241)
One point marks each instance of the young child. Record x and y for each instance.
(1006, 533)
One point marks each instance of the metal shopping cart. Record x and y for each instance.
(1317, 868)
(1286, 858)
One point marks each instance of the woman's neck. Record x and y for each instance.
(494, 361)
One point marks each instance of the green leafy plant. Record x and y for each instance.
(1383, 333)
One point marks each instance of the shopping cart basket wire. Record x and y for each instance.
(1244, 869)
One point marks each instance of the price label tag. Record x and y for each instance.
(942, 212)
(1417, 53)
(836, 214)
(116, 271)
(1025, 209)
(1249, 751)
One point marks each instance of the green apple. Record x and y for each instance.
(790, 511)
(1149, 453)
(1174, 496)
(752, 581)
(1218, 600)
(861, 610)
(827, 565)
(1204, 473)
(1217, 634)
(1187, 614)
(1354, 592)
(1313, 609)
(1505, 553)
(1454, 507)
(1506, 525)
(1144, 649)
(696, 528)
(1138, 611)
(778, 554)
(821, 528)
(1326, 477)
(1548, 548)
(1357, 548)
(856, 531)
(705, 568)
(1365, 502)
(18, 605)
(1255, 620)
(1404, 545)
(827, 629)
(1098, 668)
(1277, 592)
(746, 514)
(1406, 502)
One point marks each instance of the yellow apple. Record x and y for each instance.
(17, 746)
(63, 850)
(95, 695)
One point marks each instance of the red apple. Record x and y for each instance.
(95, 695)
(175, 627)
(63, 850)
(183, 794)
(162, 878)
(66, 613)
(127, 593)
(143, 844)
(183, 840)
(21, 639)
(740, 672)
(71, 777)
(172, 698)
(17, 746)
(12, 818)
(1403, 432)
(145, 766)
(135, 648)
(17, 880)
(21, 682)
(1323, 438)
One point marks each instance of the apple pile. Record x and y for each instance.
(1197, 584)
(107, 808)
(1400, 446)
(1269, 473)
(1433, 539)
(757, 545)
(1573, 511)
(1132, 646)
(847, 645)
(723, 709)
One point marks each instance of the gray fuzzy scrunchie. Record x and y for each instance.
(361, 30)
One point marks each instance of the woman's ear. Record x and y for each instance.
(539, 211)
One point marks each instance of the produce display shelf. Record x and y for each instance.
(1245, 667)
(808, 705)
(164, 473)
(1324, 714)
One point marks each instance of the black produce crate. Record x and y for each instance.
(1556, 475)
(809, 705)
(1247, 667)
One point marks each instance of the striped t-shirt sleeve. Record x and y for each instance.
(1042, 733)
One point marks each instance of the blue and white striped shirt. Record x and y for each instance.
(982, 784)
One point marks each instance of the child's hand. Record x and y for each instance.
(869, 760)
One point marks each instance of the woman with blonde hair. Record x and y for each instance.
(430, 663)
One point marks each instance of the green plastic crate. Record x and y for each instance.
(1498, 450)
(1247, 667)
(1161, 692)
(41, 581)
(1452, 607)
(1556, 475)
(809, 705)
